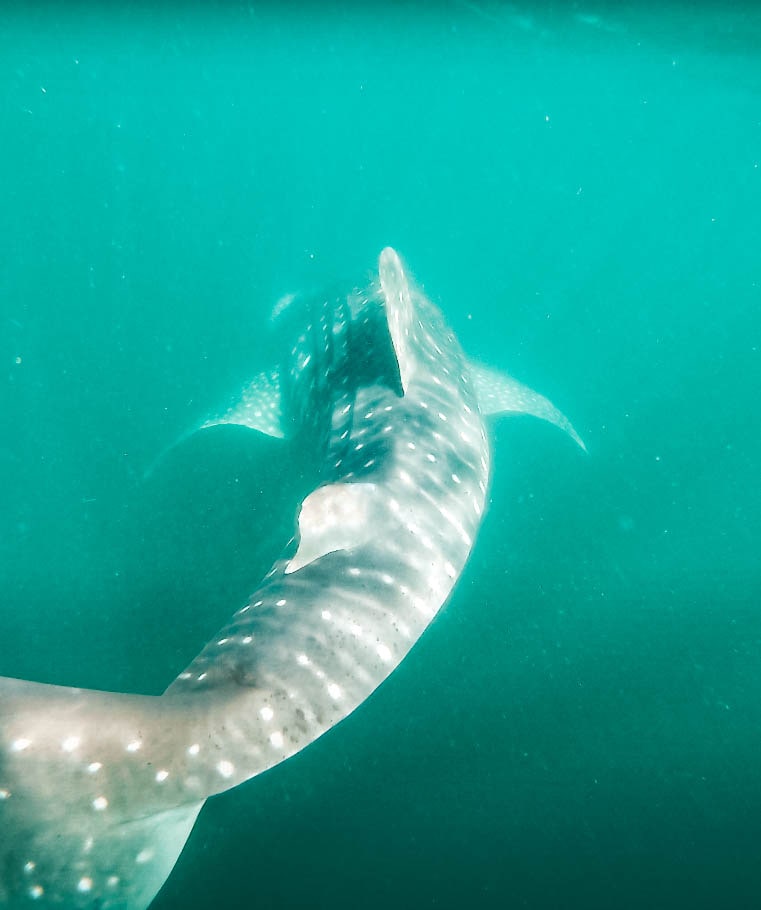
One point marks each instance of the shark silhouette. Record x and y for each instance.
(99, 790)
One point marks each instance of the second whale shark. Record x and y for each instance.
(99, 790)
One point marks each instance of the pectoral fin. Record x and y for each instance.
(499, 393)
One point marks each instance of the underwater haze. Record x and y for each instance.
(578, 187)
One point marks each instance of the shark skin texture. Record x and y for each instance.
(99, 791)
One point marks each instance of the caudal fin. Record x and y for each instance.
(89, 811)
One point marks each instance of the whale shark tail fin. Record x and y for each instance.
(498, 393)
(85, 819)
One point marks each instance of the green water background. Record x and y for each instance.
(579, 188)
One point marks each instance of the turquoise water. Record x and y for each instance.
(579, 189)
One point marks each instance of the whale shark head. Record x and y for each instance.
(99, 791)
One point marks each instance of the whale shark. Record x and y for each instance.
(99, 790)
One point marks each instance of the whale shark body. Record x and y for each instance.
(99, 791)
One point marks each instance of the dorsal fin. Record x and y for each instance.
(337, 516)
(396, 293)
